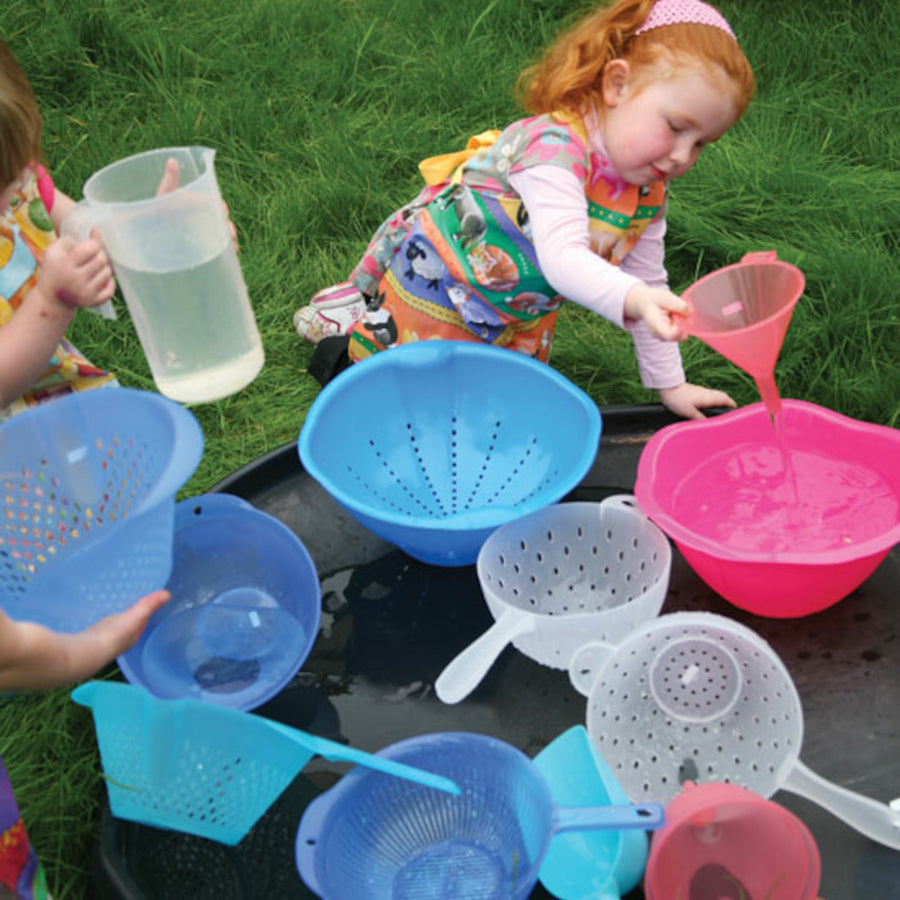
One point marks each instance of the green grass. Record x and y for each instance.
(320, 112)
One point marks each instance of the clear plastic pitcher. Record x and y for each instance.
(177, 268)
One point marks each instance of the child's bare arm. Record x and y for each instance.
(71, 275)
(28, 341)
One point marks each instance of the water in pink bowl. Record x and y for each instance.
(761, 497)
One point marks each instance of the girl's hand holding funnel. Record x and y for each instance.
(664, 315)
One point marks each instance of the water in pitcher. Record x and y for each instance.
(194, 321)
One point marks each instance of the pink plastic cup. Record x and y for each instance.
(721, 840)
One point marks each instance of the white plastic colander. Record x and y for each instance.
(560, 577)
(694, 696)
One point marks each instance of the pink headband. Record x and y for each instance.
(675, 12)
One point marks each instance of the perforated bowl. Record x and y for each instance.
(560, 577)
(433, 445)
(369, 838)
(88, 500)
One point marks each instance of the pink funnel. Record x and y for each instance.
(742, 311)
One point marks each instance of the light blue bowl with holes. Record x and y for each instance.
(245, 608)
(432, 445)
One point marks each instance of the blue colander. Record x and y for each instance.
(87, 491)
(374, 838)
(432, 445)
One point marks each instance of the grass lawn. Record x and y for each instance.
(320, 111)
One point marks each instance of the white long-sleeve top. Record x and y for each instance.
(558, 215)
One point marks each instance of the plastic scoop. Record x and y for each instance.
(698, 696)
(743, 311)
(587, 865)
(204, 769)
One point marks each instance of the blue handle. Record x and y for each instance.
(335, 751)
(646, 816)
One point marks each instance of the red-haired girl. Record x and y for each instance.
(566, 204)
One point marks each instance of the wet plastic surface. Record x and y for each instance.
(390, 624)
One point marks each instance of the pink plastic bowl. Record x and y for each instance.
(718, 488)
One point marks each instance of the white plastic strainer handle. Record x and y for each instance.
(875, 820)
(586, 662)
(627, 502)
(464, 673)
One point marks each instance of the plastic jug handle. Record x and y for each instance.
(878, 821)
(758, 256)
(465, 671)
(586, 662)
(77, 224)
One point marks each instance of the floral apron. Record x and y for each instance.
(458, 263)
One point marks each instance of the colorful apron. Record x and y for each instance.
(25, 232)
(458, 263)
(21, 875)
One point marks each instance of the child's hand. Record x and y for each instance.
(170, 182)
(34, 658)
(687, 400)
(660, 309)
(76, 274)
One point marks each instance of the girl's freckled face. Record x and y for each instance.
(657, 130)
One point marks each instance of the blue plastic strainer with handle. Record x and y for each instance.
(203, 769)
(87, 490)
(373, 838)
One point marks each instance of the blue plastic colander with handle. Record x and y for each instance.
(372, 838)
(87, 489)
(203, 769)
(432, 445)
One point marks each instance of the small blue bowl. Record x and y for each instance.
(245, 608)
(432, 445)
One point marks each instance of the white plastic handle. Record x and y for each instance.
(627, 502)
(464, 673)
(586, 662)
(878, 821)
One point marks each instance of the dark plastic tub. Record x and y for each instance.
(389, 626)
